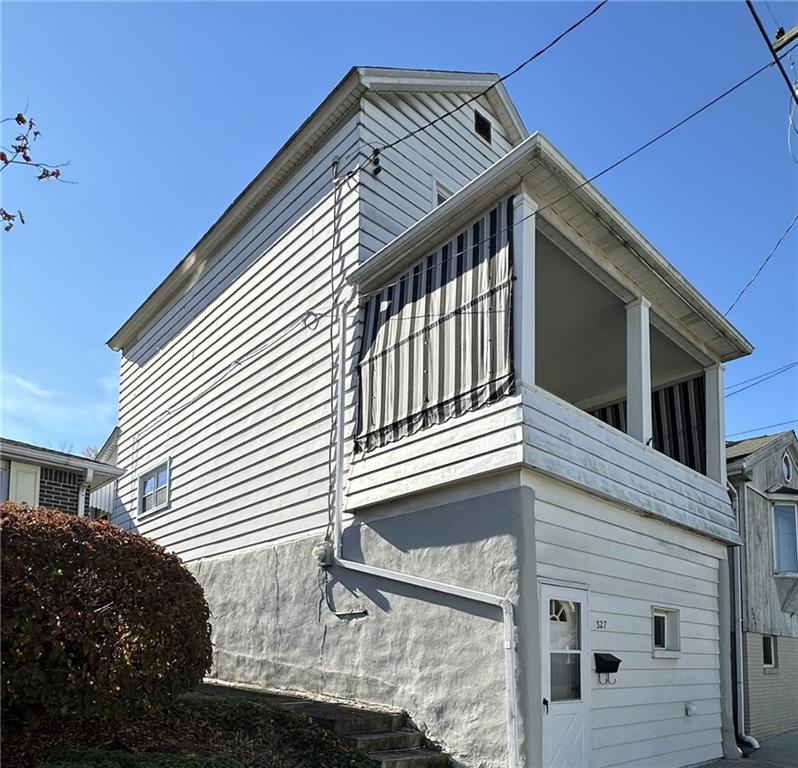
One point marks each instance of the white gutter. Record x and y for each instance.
(738, 631)
(504, 603)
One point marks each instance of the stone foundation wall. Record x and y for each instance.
(278, 623)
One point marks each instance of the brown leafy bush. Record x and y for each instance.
(96, 621)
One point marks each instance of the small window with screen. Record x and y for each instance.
(768, 651)
(665, 631)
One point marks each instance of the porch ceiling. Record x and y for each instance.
(581, 336)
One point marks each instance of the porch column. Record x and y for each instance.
(716, 421)
(524, 208)
(638, 371)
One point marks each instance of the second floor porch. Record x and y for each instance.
(533, 327)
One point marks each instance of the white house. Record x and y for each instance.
(764, 473)
(454, 362)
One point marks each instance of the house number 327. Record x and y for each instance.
(601, 623)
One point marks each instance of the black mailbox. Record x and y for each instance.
(606, 663)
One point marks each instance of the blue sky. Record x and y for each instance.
(166, 111)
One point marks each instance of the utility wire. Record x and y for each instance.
(776, 58)
(772, 14)
(761, 380)
(512, 72)
(424, 126)
(627, 156)
(766, 426)
(780, 369)
(761, 266)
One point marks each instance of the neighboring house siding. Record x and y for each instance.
(59, 489)
(105, 499)
(632, 563)
(762, 608)
(770, 694)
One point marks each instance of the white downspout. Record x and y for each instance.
(738, 632)
(504, 603)
(82, 492)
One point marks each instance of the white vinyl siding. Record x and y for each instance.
(449, 153)
(561, 440)
(630, 563)
(249, 442)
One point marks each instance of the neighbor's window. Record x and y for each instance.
(482, 126)
(665, 629)
(785, 538)
(154, 488)
(786, 467)
(769, 651)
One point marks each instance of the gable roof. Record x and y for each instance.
(585, 211)
(740, 449)
(305, 141)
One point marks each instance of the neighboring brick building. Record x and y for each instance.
(42, 477)
(764, 473)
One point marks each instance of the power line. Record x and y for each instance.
(512, 72)
(776, 59)
(772, 14)
(761, 266)
(424, 126)
(766, 426)
(631, 154)
(762, 380)
(780, 369)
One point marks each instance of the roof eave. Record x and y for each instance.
(501, 176)
(351, 87)
(230, 219)
(57, 459)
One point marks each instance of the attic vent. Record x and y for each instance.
(482, 126)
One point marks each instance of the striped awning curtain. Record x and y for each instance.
(438, 341)
(678, 416)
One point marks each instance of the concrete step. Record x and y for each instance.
(344, 719)
(370, 742)
(408, 758)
